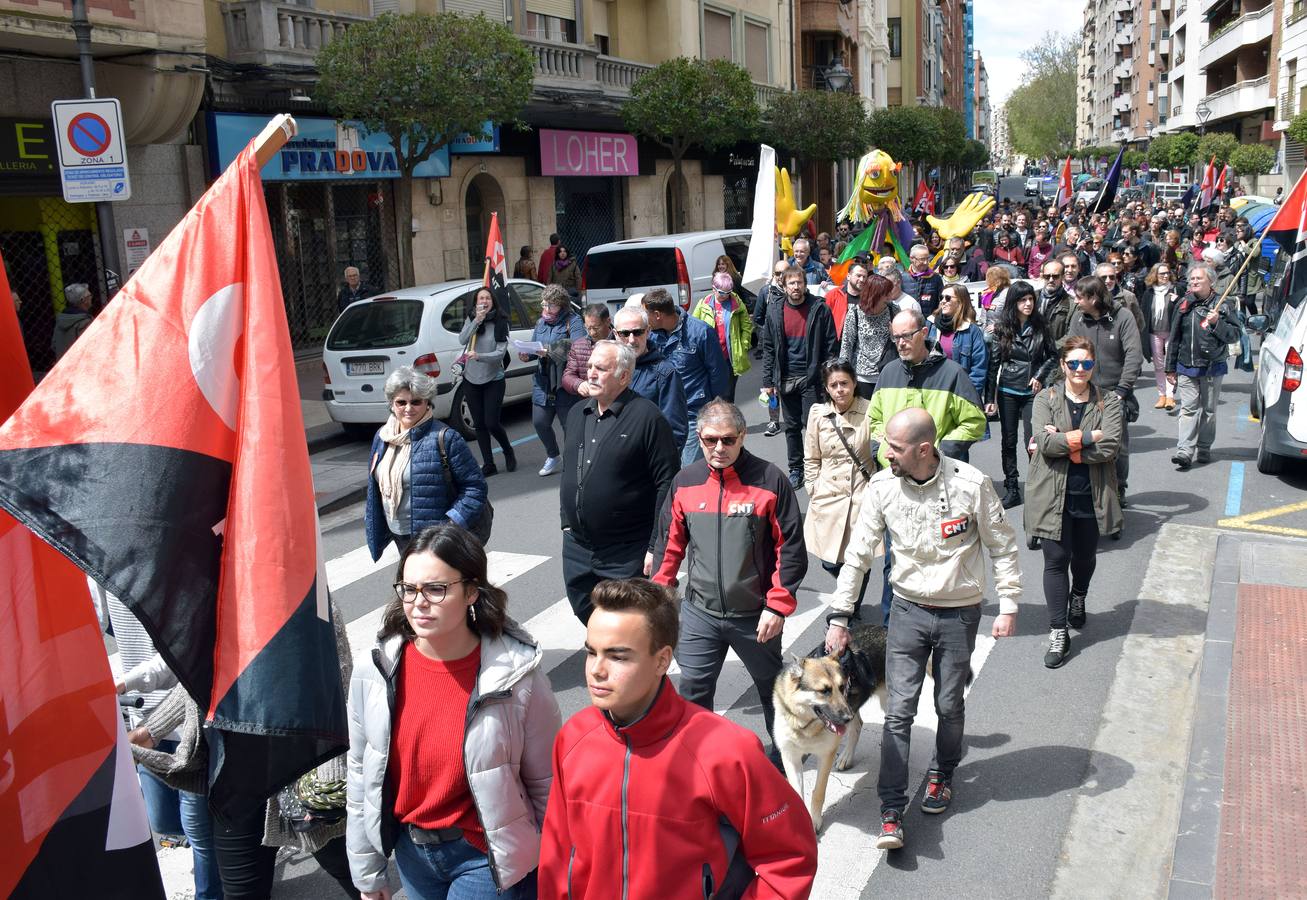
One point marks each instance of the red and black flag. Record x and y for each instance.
(496, 274)
(71, 810)
(1289, 229)
(165, 455)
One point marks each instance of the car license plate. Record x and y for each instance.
(365, 368)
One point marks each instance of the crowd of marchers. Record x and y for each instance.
(679, 545)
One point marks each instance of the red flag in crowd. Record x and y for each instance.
(1289, 229)
(925, 199)
(165, 455)
(496, 274)
(1219, 190)
(1064, 189)
(1207, 189)
(71, 808)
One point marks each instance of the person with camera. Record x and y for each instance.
(1196, 353)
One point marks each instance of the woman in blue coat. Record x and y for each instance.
(407, 488)
(557, 323)
(953, 327)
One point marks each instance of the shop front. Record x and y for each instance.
(588, 168)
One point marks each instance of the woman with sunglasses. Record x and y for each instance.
(1071, 495)
(407, 488)
(950, 270)
(451, 730)
(953, 327)
(1158, 304)
(837, 465)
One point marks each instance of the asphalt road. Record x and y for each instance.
(1012, 188)
(1030, 730)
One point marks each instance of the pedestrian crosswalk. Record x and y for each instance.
(846, 861)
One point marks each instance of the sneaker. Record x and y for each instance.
(1033, 542)
(1075, 612)
(1120, 496)
(1203, 456)
(891, 830)
(551, 465)
(1182, 460)
(796, 480)
(938, 793)
(773, 429)
(1059, 645)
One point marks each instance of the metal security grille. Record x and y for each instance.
(738, 201)
(589, 213)
(320, 228)
(48, 245)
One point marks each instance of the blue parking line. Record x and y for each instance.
(519, 442)
(1234, 493)
(1241, 418)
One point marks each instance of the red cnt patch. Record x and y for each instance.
(954, 527)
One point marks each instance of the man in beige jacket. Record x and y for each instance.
(942, 515)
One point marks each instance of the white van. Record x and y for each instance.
(1275, 398)
(682, 264)
(1164, 192)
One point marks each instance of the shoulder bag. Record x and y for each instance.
(481, 527)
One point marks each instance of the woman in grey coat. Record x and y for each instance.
(451, 733)
(485, 335)
(1071, 489)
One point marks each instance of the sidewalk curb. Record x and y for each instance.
(341, 498)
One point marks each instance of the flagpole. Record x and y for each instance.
(273, 137)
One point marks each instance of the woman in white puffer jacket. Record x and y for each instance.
(452, 726)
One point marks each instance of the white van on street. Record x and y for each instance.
(683, 264)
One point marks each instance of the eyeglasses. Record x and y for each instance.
(433, 592)
(1077, 364)
(406, 403)
(726, 440)
(629, 332)
(900, 338)
(950, 266)
(1163, 271)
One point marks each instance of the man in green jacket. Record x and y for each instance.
(924, 377)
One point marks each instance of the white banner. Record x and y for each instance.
(762, 243)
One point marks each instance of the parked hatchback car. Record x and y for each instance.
(1032, 186)
(1275, 398)
(683, 264)
(417, 327)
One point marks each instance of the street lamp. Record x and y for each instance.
(1202, 111)
(838, 77)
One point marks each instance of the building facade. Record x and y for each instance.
(1122, 71)
(982, 115)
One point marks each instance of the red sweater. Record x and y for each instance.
(426, 743)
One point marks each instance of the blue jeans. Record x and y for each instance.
(692, 449)
(947, 637)
(175, 812)
(452, 871)
(887, 589)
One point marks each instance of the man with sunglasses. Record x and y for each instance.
(735, 516)
(655, 377)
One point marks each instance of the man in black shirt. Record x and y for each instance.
(619, 458)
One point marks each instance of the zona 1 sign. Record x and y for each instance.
(92, 153)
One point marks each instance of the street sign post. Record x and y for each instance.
(92, 152)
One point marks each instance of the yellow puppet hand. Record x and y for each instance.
(965, 218)
(789, 221)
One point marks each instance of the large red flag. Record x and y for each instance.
(165, 455)
(1207, 190)
(496, 274)
(71, 810)
(1064, 189)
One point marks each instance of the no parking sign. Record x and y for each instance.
(92, 153)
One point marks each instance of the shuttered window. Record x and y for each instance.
(493, 9)
(560, 9)
(755, 51)
(384, 6)
(717, 35)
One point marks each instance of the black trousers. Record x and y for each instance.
(247, 867)
(1076, 553)
(486, 402)
(795, 407)
(584, 566)
(1013, 412)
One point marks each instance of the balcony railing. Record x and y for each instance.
(265, 32)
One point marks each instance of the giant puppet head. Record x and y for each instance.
(877, 187)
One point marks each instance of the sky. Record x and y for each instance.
(1003, 31)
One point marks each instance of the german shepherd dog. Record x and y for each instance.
(818, 701)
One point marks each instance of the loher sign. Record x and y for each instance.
(564, 153)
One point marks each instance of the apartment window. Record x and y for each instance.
(895, 38)
(717, 28)
(601, 43)
(757, 40)
(544, 27)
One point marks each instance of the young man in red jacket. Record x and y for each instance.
(654, 796)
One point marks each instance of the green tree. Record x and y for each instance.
(817, 126)
(950, 135)
(1173, 151)
(683, 102)
(1298, 127)
(904, 132)
(1132, 159)
(1217, 145)
(1041, 112)
(423, 80)
(1252, 159)
(976, 156)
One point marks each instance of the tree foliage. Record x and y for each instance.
(1252, 159)
(683, 102)
(1173, 151)
(423, 80)
(1298, 127)
(817, 126)
(1132, 159)
(1041, 112)
(1217, 145)
(975, 157)
(926, 134)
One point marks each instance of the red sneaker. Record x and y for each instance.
(891, 830)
